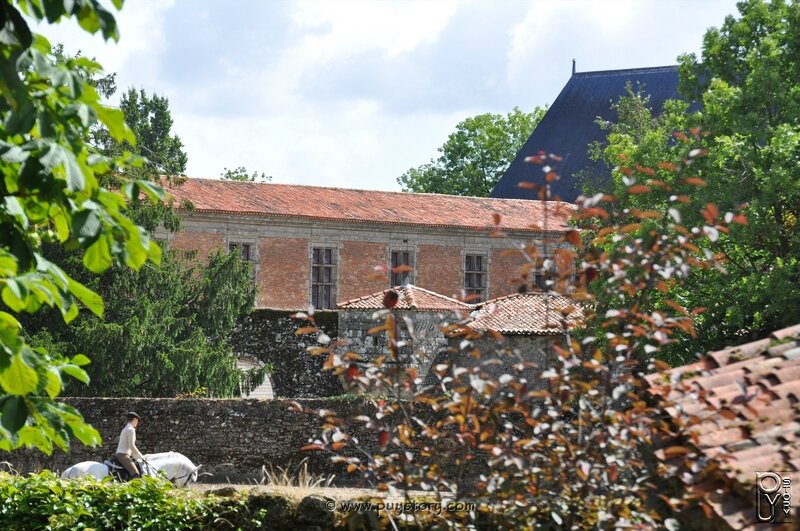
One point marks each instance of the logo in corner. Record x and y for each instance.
(773, 498)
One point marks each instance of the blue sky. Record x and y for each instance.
(353, 93)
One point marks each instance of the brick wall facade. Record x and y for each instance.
(281, 253)
(202, 242)
(504, 272)
(284, 273)
(440, 268)
(357, 275)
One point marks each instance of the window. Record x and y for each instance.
(323, 277)
(475, 277)
(188, 255)
(244, 250)
(400, 258)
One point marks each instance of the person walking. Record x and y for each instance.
(127, 446)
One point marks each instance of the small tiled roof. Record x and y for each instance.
(759, 383)
(532, 313)
(368, 206)
(410, 298)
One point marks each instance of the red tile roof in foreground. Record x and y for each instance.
(410, 298)
(533, 313)
(759, 382)
(369, 206)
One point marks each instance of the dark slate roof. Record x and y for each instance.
(569, 127)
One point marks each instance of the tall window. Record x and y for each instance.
(475, 277)
(244, 249)
(400, 258)
(323, 277)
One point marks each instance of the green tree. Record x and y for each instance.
(241, 174)
(747, 81)
(475, 156)
(51, 192)
(151, 121)
(165, 331)
(166, 328)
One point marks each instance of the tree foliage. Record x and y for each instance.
(165, 331)
(241, 174)
(475, 156)
(51, 192)
(567, 440)
(151, 121)
(747, 83)
(166, 327)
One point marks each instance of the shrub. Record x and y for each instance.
(43, 501)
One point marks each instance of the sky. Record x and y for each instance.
(354, 93)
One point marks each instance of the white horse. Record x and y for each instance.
(176, 467)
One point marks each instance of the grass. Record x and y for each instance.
(295, 484)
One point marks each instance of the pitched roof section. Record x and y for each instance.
(534, 313)
(410, 298)
(760, 383)
(368, 206)
(569, 126)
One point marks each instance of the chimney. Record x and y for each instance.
(573, 67)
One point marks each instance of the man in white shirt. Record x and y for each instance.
(127, 445)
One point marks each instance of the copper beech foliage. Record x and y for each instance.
(571, 444)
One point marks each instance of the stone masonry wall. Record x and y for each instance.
(232, 439)
(354, 325)
(269, 336)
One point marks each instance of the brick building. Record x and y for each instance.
(316, 246)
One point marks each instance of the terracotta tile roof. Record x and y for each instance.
(527, 313)
(759, 383)
(411, 298)
(368, 206)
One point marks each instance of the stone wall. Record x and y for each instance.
(511, 350)
(269, 336)
(420, 352)
(231, 438)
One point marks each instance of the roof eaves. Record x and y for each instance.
(375, 222)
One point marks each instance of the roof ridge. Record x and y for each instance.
(344, 189)
(626, 71)
(409, 291)
(451, 299)
(512, 295)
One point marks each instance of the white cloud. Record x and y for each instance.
(356, 27)
(608, 35)
(141, 36)
(279, 94)
(356, 145)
